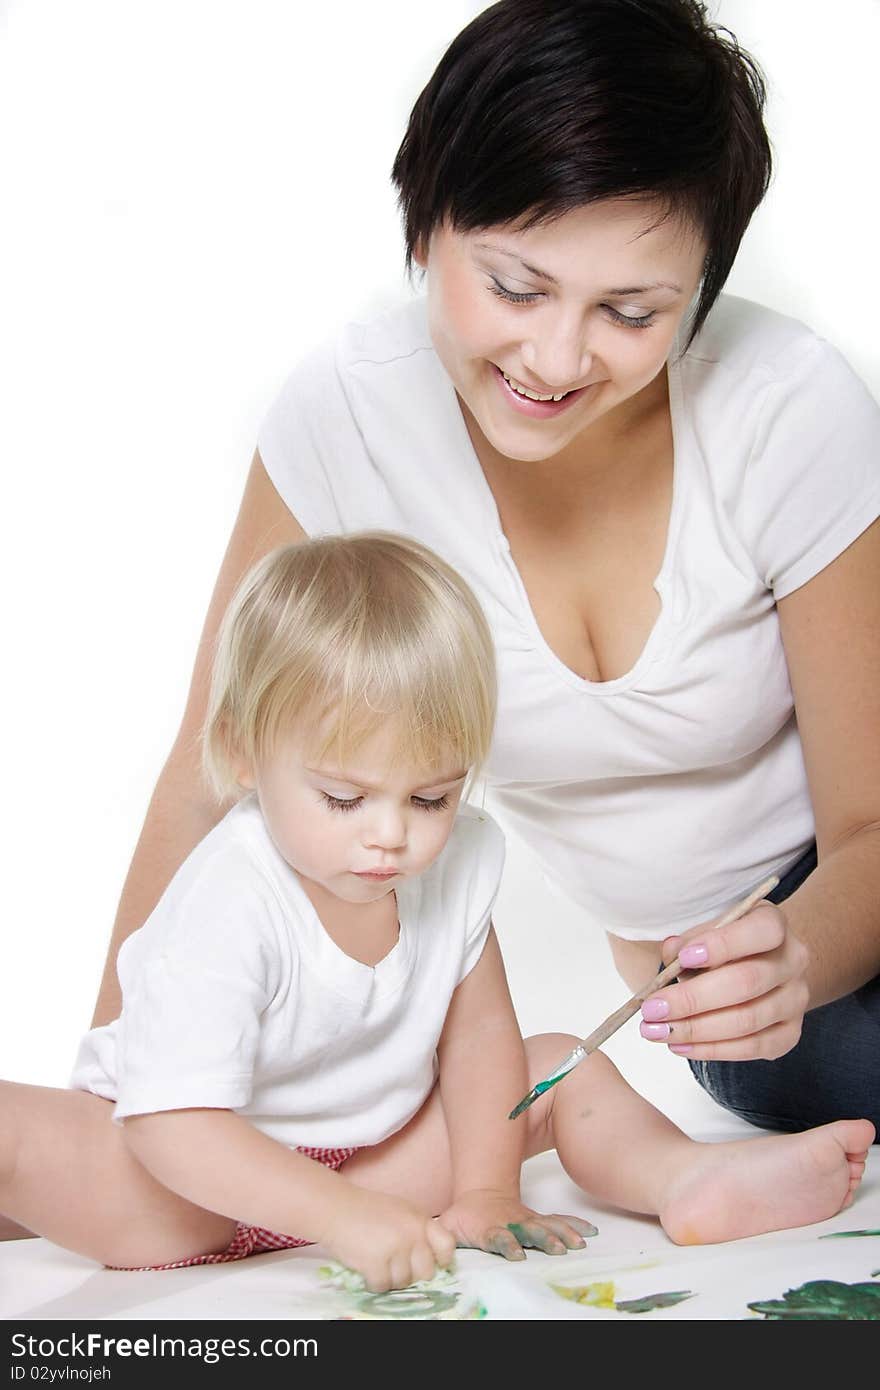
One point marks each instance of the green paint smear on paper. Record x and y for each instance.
(602, 1295)
(844, 1235)
(432, 1299)
(653, 1300)
(824, 1300)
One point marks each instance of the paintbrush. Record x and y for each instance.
(620, 1016)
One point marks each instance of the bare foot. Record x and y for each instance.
(750, 1186)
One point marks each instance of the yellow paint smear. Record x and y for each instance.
(601, 1295)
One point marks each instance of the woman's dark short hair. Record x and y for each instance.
(542, 106)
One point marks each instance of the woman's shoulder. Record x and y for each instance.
(742, 337)
(399, 332)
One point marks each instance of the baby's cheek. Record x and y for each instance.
(431, 841)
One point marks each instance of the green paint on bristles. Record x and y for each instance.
(536, 1091)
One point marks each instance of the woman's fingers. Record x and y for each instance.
(765, 1046)
(745, 982)
(706, 947)
(742, 993)
(754, 964)
(763, 1027)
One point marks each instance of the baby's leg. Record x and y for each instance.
(616, 1146)
(414, 1163)
(66, 1173)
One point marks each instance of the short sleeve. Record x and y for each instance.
(488, 848)
(813, 481)
(194, 990)
(310, 445)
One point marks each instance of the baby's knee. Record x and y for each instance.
(547, 1051)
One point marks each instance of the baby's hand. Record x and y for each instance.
(390, 1242)
(498, 1222)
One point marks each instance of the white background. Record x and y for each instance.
(194, 192)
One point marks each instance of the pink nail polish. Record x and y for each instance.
(654, 1009)
(655, 1032)
(693, 955)
(681, 1049)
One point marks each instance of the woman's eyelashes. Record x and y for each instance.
(338, 803)
(625, 320)
(512, 296)
(629, 320)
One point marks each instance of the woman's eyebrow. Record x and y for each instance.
(545, 275)
(643, 289)
(532, 269)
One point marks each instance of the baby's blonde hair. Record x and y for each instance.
(335, 636)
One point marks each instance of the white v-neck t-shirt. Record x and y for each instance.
(234, 996)
(656, 799)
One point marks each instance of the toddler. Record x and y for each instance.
(317, 1043)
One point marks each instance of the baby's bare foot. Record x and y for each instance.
(754, 1185)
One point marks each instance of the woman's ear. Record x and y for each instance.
(420, 253)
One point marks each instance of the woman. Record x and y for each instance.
(667, 504)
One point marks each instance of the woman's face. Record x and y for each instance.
(584, 308)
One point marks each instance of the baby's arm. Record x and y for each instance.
(220, 1161)
(483, 1074)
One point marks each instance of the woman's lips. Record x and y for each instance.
(377, 874)
(538, 410)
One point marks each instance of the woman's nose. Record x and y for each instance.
(558, 354)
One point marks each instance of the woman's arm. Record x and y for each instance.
(762, 973)
(831, 631)
(181, 810)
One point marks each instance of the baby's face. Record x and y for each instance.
(357, 830)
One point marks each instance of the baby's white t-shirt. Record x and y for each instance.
(657, 799)
(235, 997)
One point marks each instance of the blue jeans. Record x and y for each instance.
(832, 1074)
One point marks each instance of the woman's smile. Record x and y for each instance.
(529, 402)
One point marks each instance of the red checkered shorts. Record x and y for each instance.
(255, 1240)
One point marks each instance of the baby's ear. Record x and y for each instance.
(242, 768)
(244, 774)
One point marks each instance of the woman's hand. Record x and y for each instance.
(742, 993)
(390, 1242)
(499, 1223)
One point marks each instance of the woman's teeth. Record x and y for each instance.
(524, 390)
